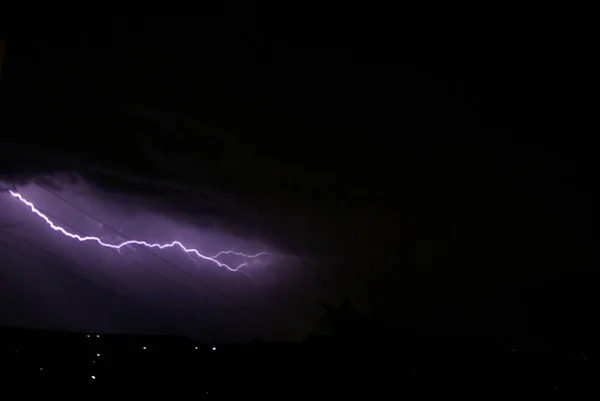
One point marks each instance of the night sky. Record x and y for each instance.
(435, 173)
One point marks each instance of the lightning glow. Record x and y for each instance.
(175, 244)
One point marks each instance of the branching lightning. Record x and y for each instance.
(175, 244)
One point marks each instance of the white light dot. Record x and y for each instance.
(195, 347)
(93, 361)
(41, 368)
(94, 377)
(97, 335)
(214, 348)
(97, 354)
(88, 336)
(144, 347)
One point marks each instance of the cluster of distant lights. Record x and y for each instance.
(143, 348)
(215, 348)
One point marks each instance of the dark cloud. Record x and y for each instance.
(377, 167)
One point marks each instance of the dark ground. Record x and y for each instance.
(365, 366)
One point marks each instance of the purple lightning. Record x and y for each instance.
(118, 246)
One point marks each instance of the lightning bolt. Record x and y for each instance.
(175, 244)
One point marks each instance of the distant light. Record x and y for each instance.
(513, 350)
(97, 335)
(94, 377)
(97, 354)
(195, 347)
(41, 368)
(214, 348)
(88, 336)
(144, 347)
(93, 361)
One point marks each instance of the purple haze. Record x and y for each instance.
(193, 274)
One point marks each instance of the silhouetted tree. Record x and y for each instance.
(343, 322)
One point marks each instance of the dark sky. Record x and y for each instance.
(434, 171)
